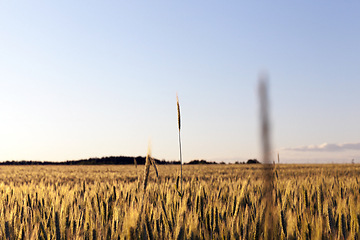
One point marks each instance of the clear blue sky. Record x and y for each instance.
(83, 79)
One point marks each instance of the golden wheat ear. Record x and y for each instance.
(147, 167)
(178, 111)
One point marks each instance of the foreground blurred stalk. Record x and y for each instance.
(268, 167)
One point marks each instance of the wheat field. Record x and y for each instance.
(218, 202)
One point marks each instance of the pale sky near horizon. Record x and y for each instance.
(82, 79)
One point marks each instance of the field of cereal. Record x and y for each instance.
(218, 202)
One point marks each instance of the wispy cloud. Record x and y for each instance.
(326, 147)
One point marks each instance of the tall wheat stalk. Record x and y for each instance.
(179, 125)
(268, 167)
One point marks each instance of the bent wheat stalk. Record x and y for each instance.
(146, 174)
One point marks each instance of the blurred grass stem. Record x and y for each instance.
(268, 167)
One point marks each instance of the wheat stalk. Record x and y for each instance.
(265, 140)
(146, 173)
(155, 168)
(179, 125)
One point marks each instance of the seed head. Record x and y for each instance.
(178, 110)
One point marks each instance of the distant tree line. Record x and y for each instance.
(200, 162)
(116, 160)
(250, 161)
(112, 160)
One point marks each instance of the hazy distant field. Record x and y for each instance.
(220, 201)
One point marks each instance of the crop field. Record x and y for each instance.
(218, 202)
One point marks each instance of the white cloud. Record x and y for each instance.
(326, 147)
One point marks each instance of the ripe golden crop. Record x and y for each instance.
(219, 201)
